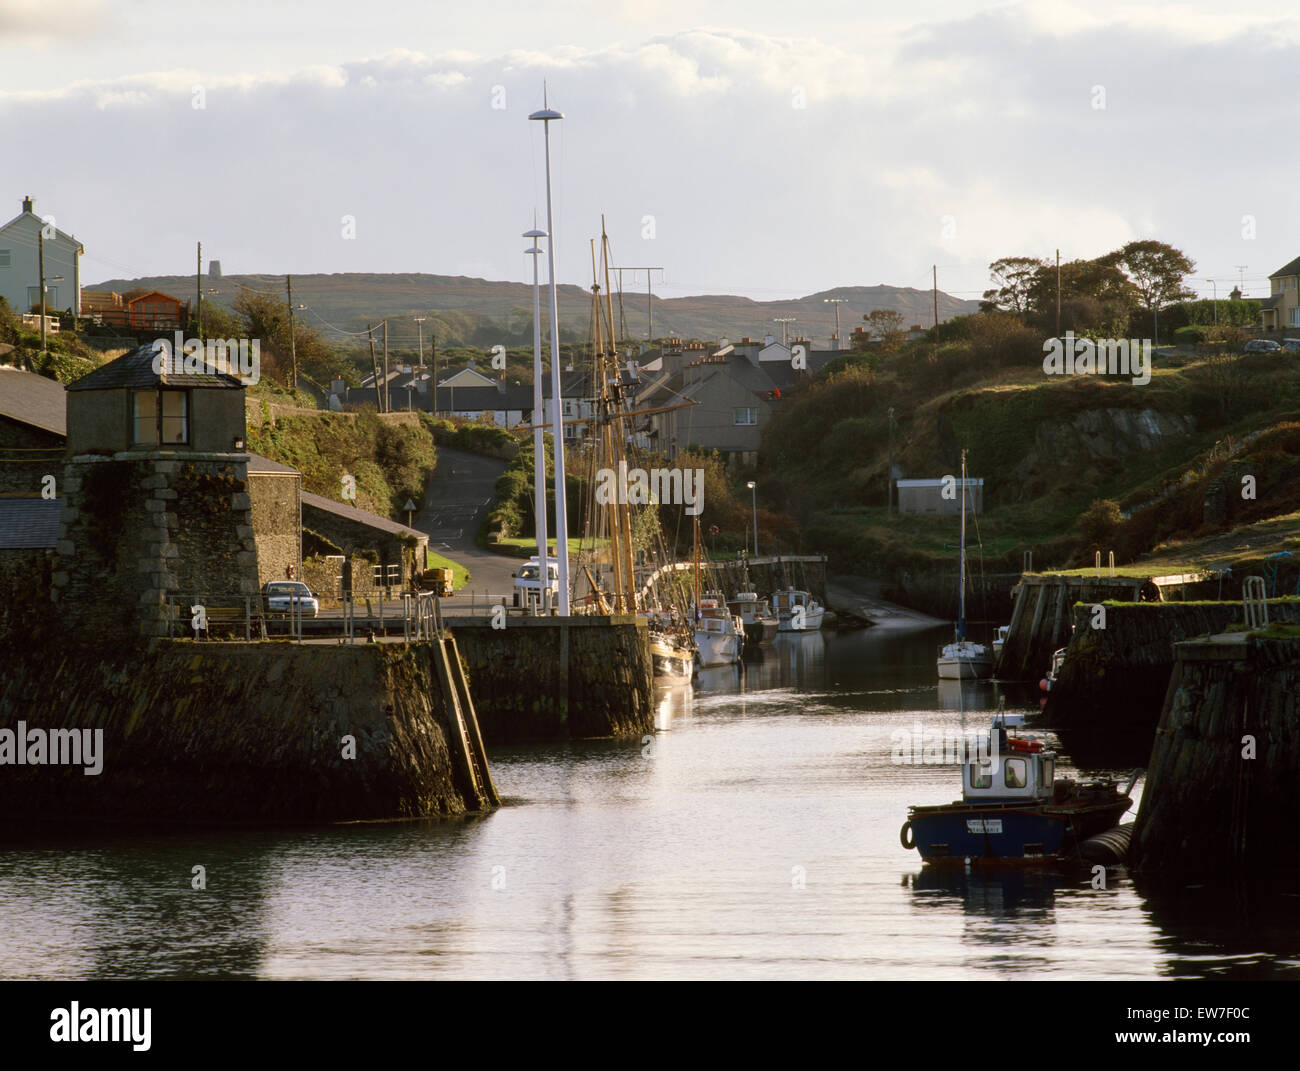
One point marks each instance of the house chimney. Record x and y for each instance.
(27, 205)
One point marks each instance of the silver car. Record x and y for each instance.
(1261, 345)
(290, 596)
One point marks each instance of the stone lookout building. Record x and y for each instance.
(156, 496)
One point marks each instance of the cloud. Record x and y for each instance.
(26, 21)
(766, 162)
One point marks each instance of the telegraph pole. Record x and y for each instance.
(293, 343)
(837, 302)
(40, 256)
(935, 267)
(1058, 293)
(420, 321)
(889, 481)
(649, 308)
(370, 333)
(387, 406)
(198, 290)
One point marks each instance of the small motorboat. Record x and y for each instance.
(751, 610)
(1000, 641)
(797, 611)
(1013, 810)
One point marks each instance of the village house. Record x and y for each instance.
(1281, 309)
(20, 273)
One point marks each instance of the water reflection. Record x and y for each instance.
(1244, 928)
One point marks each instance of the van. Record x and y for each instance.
(528, 586)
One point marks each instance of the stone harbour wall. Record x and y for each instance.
(221, 733)
(558, 678)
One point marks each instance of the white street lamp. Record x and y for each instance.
(545, 117)
(539, 442)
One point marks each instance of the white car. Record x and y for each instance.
(290, 596)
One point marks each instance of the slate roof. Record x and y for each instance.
(1270, 302)
(1290, 269)
(358, 516)
(29, 523)
(28, 398)
(264, 465)
(134, 371)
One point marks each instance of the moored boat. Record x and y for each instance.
(797, 611)
(719, 635)
(963, 659)
(1013, 810)
(751, 610)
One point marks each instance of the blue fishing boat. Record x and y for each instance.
(1014, 810)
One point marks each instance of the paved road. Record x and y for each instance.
(454, 506)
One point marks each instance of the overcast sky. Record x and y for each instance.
(762, 148)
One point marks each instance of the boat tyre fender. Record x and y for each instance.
(905, 837)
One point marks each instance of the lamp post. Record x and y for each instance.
(837, 302)
(539, 442)
(1215, 291)
(753, 490)
(546, 116)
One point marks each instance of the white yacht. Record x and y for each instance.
(797, 611)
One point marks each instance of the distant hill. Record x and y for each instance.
(482, 311)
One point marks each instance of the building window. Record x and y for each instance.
(161, 417)
(744, 416)
(6, 256)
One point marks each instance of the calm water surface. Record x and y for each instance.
(754, 836)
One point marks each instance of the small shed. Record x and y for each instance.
(942, 496)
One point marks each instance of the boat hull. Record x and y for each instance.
(812, 621)
(1012, 835)
(717, 649)
(965, 669)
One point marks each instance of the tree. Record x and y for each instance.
(886, 326)
(1014, 277)
(1155, 271)
(1095, 297)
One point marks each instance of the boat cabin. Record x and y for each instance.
(1019, 769)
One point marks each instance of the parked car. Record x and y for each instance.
(1261, 345)
(288, 596)
(1291, 345)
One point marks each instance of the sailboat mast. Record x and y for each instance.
(613, 386)
(961, 583)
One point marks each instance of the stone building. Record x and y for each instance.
(394, 548)
(33, 426)
(275, 491)
(156, 498)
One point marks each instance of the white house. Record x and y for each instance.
(20, 274)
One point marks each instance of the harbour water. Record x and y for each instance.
(755, 835)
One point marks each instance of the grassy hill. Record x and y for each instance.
(1200, 466)
(484, 312)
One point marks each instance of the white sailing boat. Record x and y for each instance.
(964, 659)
